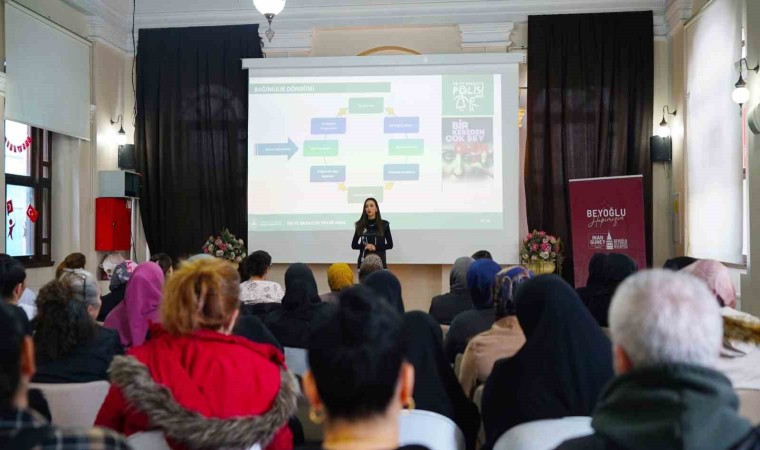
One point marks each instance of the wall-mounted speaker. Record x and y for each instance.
(660, 149)
(127, 157)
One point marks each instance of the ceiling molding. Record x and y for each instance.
(678, 12)
(106, 23)
(2, 84)
(288, 41)
(99, 30)
(486, 34)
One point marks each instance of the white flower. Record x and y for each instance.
(534, 258)
(544, 255)
(240, 241)
(238, 259)
(219, 253)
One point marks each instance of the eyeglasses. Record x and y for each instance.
(69, 272)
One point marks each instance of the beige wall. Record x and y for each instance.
(661, 172)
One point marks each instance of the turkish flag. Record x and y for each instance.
(9, 206)
(32, 213)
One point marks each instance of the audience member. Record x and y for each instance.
(13, 284)
(561, 369)
(595, 277)
(21, 427)
(196, 382)
(482, 254)
(253, 329)
(72, 261)
(739, 358)
(504, 338)
(339, 277)
(142, 299)
(388, 287)
(165, 262)
(70, 346)
(371, 263)
(436, 387)
(679, 262)
(480, 277)
(292, 325)
(258, 289)
(358, 379)
(667, 330)
(617, 267)
(117, 288)
(445, 307)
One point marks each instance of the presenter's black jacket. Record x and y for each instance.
(675, 406)
(370, 236)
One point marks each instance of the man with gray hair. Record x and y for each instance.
(667, 332)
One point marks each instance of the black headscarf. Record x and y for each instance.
(386, 284)
(679, 262)
(596, 269)
(597, 297)
(560, 370)
(458, 275)
(300, 288)
(436, 387)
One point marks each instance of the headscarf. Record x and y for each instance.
(679, 262)
(561, 369)
(458, 275)
(618, 267)
(387, 285)
(436, 387)
(339, 276)
(718, 279)
(596, 269)
(121, 274)
(300, 288)
(504, 286)
(480, 276)
(140, 307)
(597, 297)
(371, 263)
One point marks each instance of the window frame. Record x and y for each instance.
(42, 141)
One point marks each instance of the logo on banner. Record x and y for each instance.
(602, 241)
(604, 216)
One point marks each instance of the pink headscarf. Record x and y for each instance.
(717, 278)
(140, 306)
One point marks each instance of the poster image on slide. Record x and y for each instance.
(467, 151)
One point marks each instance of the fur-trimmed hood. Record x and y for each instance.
(192, 429)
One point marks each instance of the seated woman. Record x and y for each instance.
(388, 287)
(301, 308)
(196, 382)
(504, 338)
(358, 380)
(258, 289)
(445, 307)
(436, 388)
(615, 269)
(561, 369)
(73, 261)
(117, 288)
(140, 307)
(70, 347)
(339, 277)
(480, 278)
(739, 357)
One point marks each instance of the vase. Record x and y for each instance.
(542, 267)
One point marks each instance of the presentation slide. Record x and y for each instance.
(432, 138)
(428, 148)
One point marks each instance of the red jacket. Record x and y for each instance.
(216, 375)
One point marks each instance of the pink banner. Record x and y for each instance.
(606, 216)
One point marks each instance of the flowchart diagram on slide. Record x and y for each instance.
(325, 142)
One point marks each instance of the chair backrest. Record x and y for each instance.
(155, 440)
(297, 360)
(416, 427)
(74, 405)
(749, 404)
(544, 434)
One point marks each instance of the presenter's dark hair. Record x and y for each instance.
(357, 359)
(257, 263)
(163, 260)
(11, 274)
(363, 221)
(482, 254)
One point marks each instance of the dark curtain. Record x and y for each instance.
(590, 99)
(191, 133)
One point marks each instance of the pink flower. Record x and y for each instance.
(542, 233)
(223, 246)
(534, 247)
(545, 247)
(218, 242)
(528, 236)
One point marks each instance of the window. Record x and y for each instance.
(28, 172)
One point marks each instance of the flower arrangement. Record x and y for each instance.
(226, 246)
(542, 250)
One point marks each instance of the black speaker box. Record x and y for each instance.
(660, 149)
(127, 157)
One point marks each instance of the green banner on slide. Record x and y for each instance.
(319, 88)
(399, 221)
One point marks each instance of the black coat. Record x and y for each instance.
(89, 362)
